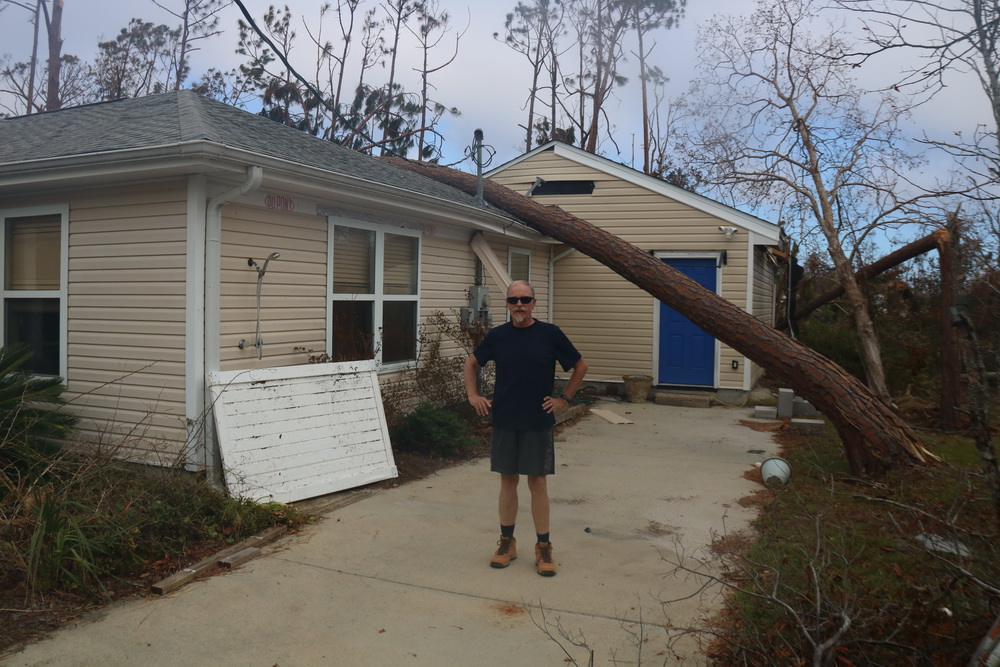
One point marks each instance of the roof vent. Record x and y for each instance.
(543, 187)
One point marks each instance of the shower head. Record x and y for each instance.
(267, 261)
(260, 270)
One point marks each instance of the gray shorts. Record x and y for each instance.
(522, 452)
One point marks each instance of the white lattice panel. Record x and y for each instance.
(298, 432)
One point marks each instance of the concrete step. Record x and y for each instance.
(682, 400)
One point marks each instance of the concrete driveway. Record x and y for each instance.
(402, 576)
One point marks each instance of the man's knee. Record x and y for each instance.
(536, 482)
(509, 480)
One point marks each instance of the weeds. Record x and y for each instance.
(438, 379)
(76, 518)
(839, 570)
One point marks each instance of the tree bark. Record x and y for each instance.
(951, 361)
(895, 258)
(950, 353)
(875, 439)
(53, 100)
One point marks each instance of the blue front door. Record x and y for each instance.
(687, 354)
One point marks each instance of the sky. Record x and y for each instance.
(488, 80)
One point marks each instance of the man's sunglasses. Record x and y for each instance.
(523, 299)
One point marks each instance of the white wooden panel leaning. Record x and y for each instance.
(297, 432)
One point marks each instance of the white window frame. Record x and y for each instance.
(378, 298)
(63, 212)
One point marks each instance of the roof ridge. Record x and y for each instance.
(190, 117)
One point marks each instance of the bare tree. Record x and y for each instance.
(600, 27)
(398, 14)
(21, 80)
(647, 17)
(377, 117)
(533, 30)
(432, 26)
(948, 36)
(199, 20)
(53, 25)
(786, 125)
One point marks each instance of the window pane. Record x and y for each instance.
(353, 261)
(400, 264)
(520, 264)
(353, 331)
(399, 331)
(35, 322)
(32, 261)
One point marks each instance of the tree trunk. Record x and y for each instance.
(951, 361)
(950, 353)
(934, 240)
(875, 438)
(52, 99)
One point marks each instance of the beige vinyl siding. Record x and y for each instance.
(293, 303)
(763, 287)
(610, 320)
(126, 318)
(449, 269)
(764, 297)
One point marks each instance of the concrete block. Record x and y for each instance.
(803, 408)
(807, 425)
(786, 400)
(765, 412)
(683, 400)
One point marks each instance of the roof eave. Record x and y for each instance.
(229, 165)
(763, 229)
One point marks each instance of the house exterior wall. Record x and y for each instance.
(127, 303)
(764, 297)
(126, 315)
(612, 321)
(294, 294)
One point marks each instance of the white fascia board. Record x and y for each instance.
(765, 231)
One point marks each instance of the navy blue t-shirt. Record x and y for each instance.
(525, 359)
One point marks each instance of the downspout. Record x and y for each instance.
(213, 277)
(552, 277)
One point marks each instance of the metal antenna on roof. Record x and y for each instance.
(476, 153)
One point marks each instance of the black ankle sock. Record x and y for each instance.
(542, 537)
(506, 531)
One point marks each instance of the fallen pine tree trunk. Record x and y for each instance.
(875, 438)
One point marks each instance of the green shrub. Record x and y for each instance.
(433, 430)
(94, 519)
(439, 376)
(32, 423)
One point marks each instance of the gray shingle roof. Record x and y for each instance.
(173, 118)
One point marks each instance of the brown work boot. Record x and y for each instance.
(506, 552)
(544, 561)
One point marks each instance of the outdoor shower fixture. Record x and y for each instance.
(261, 270)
